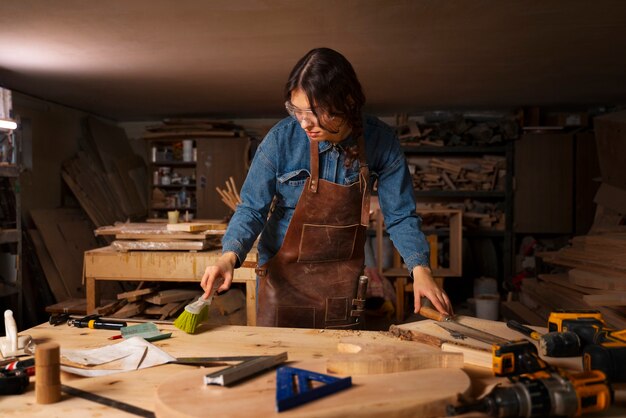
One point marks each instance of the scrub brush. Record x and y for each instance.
(194, 313)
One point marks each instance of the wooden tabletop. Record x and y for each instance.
(138, 388)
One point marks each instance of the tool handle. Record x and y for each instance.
(523, 329)
(430, 313)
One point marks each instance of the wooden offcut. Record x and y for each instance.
(356, 356)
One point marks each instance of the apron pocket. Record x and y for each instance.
(322, 243)
(336, 309)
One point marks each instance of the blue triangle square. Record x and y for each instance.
(294, 386)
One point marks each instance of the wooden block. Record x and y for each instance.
(70, 306)
(195, 227)
(471, 356)
(134, 295)
(597, 280)
(362, 357)
(613, 299)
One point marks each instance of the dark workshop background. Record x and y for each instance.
(513, 90)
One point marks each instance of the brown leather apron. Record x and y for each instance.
(312, 281)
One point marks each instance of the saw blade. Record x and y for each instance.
(470, 332)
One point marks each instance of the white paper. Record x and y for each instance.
(131, 354)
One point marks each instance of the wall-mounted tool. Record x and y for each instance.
(295, 387)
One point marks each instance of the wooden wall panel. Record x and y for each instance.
(544, 183)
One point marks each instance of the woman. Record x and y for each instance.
(318, 165)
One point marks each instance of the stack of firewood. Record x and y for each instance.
(457, 129)
(486, 173)
(153, 303)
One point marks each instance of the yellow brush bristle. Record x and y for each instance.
(188, 321)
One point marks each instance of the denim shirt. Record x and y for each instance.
(280, 168)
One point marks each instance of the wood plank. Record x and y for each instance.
(195, 226)
(66, 236)
(428, 332)
(563, 279)
(76, 306)
(173, 295)
(134, 294)
(137, 230)
(517, 311)
(57, 286)
(595, 280)
(182, 245)
(610, 299)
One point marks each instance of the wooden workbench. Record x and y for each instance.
(161, 266)
(138, 388)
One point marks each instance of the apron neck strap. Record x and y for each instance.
(315, 163)
(315, 166)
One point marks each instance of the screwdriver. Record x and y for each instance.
(95, 322)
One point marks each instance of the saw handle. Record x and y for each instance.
(430, 313)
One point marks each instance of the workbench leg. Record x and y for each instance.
(92, 295)
(251, 303)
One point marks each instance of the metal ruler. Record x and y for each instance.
(248, 368)
(122, 406)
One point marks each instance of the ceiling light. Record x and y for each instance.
(8, 124)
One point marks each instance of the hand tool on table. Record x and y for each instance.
(552, 344)
(122, 406)
(543, 394)
(290, 394)
(244, 370)
(458, 330)
(96, 322)
(63, 318)
(26, 365)
(430, 313)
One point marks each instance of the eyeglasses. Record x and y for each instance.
(300, 114)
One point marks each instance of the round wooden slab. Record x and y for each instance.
(413, 393)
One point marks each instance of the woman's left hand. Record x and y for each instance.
(424, 286)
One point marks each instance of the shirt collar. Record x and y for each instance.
(325, 145)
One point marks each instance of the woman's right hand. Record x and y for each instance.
(222, 269)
